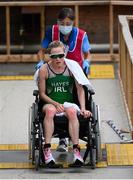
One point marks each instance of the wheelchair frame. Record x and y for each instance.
(92, 137)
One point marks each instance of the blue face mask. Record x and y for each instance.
(65, 29)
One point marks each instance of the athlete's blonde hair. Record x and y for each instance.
(55, 44)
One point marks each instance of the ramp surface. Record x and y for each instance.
(116, 155)
(16, 98)
(13, 157)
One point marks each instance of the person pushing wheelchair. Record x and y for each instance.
(55, 83)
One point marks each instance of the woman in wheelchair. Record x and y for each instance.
(55, 85)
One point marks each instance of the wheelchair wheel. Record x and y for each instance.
(33, 149)
(29, 131)
(92, 149)
(98, 139)
(96, 117)
(37, 162)
(93, 158)
(33, 131)
(39, 158)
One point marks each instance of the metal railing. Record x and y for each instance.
(126, 61)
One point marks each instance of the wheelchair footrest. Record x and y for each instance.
(77, 163)
(53, 165)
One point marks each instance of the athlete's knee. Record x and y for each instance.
(71, 112)
(49, 111)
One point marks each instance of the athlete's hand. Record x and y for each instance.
(85, 113)
(59, 108)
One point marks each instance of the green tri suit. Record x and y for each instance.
(59, 87)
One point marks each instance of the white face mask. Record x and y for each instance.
(65, 29)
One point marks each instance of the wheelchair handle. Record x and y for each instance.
(91, 91)
(35, 93)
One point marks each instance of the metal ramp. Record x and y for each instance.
(17, 156)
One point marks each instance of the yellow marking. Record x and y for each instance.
(101, 71)
(7, 165)
(101, 164)
(54, 146)
(28, 165)
(119, 154)
(103, 146)
(96, 71)
(65, 165)
(8, 78)
(12, 147)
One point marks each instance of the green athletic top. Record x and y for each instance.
(59, 87)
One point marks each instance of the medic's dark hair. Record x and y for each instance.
(66, 13)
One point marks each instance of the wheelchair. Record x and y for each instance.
(89, 131)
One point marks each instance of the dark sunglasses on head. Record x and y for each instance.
(55, 56)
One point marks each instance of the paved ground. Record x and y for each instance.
(101, 173)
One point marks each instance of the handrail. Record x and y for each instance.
(53, 3)
(126, 63)
(124, 2)
(64, 3)
(123, 20)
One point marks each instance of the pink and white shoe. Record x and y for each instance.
(48, 156)
(77, 160)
